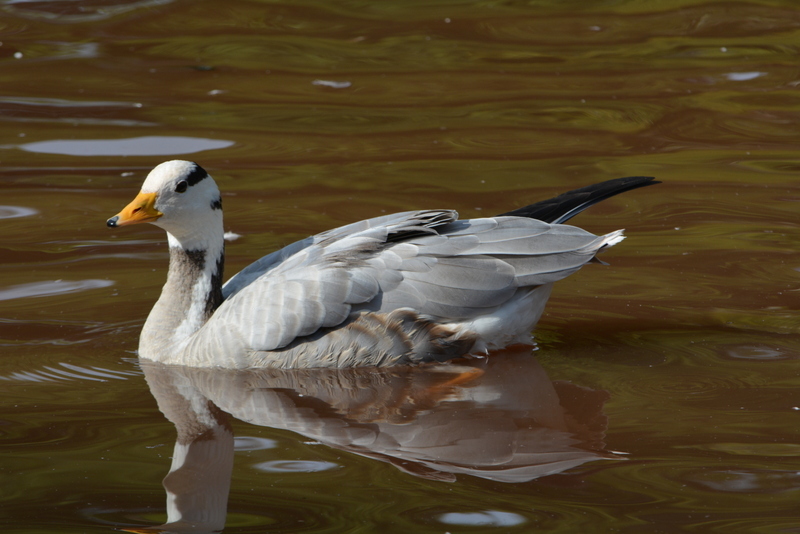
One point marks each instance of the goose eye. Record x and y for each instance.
(181, 187)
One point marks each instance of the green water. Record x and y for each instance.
(670, 375)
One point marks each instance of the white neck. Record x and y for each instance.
(191, 295)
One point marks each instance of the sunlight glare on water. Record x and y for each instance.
(138, 146)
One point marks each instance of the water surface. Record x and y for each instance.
(663, 394)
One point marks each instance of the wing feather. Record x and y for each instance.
(426, 261)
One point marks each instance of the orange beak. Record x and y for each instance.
(141, 210)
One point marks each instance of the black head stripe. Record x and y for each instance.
(197, 174)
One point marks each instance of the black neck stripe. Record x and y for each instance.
(197, 174)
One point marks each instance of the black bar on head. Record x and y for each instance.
(197, 174)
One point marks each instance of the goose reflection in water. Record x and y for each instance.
(500, 419)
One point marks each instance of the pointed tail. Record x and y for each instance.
(565, 206)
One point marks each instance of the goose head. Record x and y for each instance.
(181, 198)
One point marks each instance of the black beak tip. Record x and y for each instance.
(112, 222)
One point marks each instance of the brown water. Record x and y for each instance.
(664, 395)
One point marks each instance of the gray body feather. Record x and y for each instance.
(409, 287)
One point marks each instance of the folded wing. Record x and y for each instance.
(429, 262)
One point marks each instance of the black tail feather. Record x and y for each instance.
(565, 206)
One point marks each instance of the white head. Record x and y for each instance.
(183, 199)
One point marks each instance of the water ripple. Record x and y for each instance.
(38, 102)
(75, 12)
(49, 288)
(295, 466)
(753, 352)
(154, 145)
(12, 212)
(253, 443)
(746, 480)
(68, 372)
(489, 518)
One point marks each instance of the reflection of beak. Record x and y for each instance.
(141, 210)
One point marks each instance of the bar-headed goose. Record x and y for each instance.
(410, 287)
